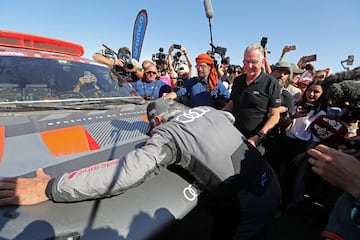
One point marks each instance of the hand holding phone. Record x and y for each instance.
(310, 58)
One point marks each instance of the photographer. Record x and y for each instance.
(87, 86)
(231, 73)
(183, 75)
(150, 87)
(205, 89)
(223, 67)
(165, 73)
(122, 64)
(176, 64)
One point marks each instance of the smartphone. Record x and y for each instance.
(306, 108)
(310, 58)
(350, 60)
(87, 74)
(177, 46)
(292, 47)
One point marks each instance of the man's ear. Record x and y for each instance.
(158, 120)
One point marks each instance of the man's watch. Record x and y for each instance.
(261, 136)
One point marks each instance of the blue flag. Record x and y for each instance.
(139, 33)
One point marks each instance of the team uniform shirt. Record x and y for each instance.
(251, 103)
(199, 93)
(190, 139)
(151, 90)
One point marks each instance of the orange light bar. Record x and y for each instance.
(28, 41)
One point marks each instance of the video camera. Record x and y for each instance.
(159, 57)
(221, 51)
(108, 52)
(111, 54)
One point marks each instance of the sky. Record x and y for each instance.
(330, 29)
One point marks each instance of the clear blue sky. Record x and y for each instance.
(331, 29)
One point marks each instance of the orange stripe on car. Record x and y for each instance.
(70, 140)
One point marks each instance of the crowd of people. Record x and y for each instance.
(278, 123)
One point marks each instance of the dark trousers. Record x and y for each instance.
(286, 156)
(242, 214)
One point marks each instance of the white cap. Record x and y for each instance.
(182, 68)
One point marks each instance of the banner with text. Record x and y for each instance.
(139, 33)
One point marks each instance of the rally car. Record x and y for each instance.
(62, 112)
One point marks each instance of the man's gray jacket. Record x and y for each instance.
(202, 140)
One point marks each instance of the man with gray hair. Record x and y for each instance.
(255, 98)
(245, 185)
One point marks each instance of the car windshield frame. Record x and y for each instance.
(33, 79)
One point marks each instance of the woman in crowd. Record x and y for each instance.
(287, 153)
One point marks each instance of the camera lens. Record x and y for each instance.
(130, 66)
(179, 82)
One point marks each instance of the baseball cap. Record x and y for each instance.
(182, 68)
(296, 69)
(157, 107)
(282, 64)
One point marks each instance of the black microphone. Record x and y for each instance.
(208, 9)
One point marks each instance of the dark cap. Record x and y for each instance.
(157, 107)
(124, 50)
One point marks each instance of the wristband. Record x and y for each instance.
(261, 136)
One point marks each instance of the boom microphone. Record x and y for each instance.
(208, 9)
(329, 130)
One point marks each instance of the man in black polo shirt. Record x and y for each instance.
(255, 97)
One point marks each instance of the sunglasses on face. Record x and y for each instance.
(151, 72)
(122, 55)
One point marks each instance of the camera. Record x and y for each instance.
(177, 56)
(232, 68)
(128, 64)
(306, 107)
(159, 57)
(127, 61)
(263, 41)
(352, 113)
(226, 61)
(180, 82)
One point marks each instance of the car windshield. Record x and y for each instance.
(29, 79)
